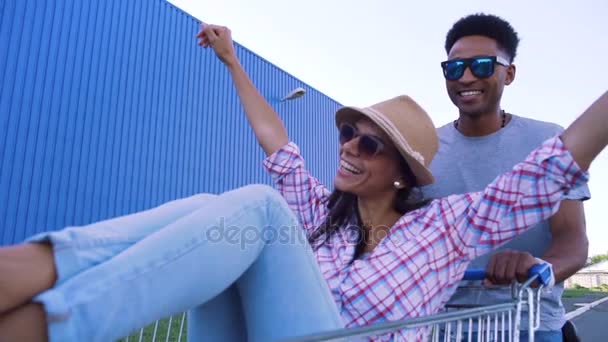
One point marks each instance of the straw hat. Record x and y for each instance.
(408, 126)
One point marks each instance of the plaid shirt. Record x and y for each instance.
(416, 268)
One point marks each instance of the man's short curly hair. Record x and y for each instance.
(486, 25)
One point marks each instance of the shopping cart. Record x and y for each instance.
(498, 322)
(490, 323)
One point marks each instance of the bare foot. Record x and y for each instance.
(26, 270)
(26, 323)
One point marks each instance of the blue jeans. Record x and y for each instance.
(543, 336)
(539, 336)
(239, 261)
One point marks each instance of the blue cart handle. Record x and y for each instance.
(542, 272)
(474, 274)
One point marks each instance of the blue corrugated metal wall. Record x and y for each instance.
(109, 107)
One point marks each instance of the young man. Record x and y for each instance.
(487, 140)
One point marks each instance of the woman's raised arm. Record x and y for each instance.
(266, 124)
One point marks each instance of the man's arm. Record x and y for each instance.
(567, 251)
(569, 245)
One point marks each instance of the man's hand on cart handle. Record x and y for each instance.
(504, 271)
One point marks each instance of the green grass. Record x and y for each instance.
(579, 291)
(161, 331)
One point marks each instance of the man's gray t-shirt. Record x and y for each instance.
(467, 164)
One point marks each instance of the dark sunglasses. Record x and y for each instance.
(368, 145)
(481, 67)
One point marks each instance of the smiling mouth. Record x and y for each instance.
(469, 93)
(349, 167)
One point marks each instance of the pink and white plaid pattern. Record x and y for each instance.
(417, 266)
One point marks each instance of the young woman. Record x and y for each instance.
(239, 261)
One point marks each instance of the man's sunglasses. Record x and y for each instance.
(368, 145)
(481, 67)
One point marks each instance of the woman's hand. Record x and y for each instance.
(266, 124)
(219, 38)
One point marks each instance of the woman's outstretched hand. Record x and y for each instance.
(219, 38)
(266, 124)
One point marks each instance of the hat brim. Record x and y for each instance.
(350, 114)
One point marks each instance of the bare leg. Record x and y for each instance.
(26, 323)
(26, 270)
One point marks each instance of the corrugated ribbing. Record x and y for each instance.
(110, 107)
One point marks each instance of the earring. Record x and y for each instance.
(397, 184)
